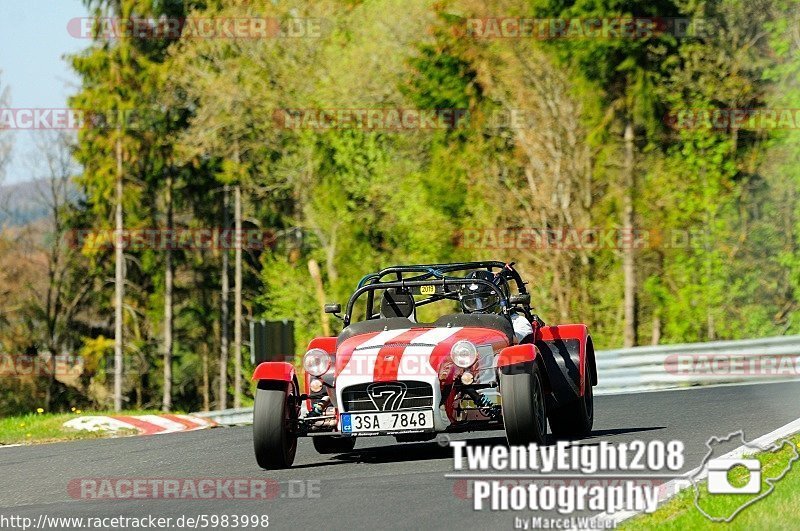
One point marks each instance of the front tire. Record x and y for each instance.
(333, 445)
(274, 417)
(576, 418)
(524, 411)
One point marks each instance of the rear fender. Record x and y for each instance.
(566, 351)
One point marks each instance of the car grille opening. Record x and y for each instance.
(387, 396)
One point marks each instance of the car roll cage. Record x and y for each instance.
(429, 275)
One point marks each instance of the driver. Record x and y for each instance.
(479, 298)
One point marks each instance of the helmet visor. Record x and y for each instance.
(479, 302)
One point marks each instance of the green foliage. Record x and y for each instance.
(720, 206)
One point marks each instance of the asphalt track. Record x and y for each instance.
(379, 485)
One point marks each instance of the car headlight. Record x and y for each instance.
(316, 362)
(464, 353)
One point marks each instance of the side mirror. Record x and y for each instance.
(333, 307)
(520, 298)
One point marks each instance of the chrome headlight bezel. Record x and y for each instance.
(316, 362)
(464, 353)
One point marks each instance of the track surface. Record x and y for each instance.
(379, 485)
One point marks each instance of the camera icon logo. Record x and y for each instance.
(718, 482)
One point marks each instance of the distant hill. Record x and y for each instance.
(25, 202)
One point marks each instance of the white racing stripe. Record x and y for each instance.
(362, 362)
(416, 357)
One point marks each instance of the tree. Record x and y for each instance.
(67, 286)
(626, 70)
(121, 82)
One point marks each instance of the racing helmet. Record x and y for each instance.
(479, 298)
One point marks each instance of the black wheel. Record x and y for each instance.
(576, 418)
(333, 445)
(274, 416)
(524, 412)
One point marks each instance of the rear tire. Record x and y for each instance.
(576, 418)
(524, 411)
(274, 417)
(334, 445)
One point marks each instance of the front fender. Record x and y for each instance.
(280, 371)
(516, 355)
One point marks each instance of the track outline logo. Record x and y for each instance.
(706, 462)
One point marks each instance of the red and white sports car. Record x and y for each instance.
(486, 363)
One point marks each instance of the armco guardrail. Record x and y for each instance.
(664, 367)
(690, 364)
(229, 417)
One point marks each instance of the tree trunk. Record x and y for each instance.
(119, 280)
(712, 328)
(223, 355)
(237, 300)
(166, 404)
(628, 251)
(656, 337)
(206, 387)
(316, 276)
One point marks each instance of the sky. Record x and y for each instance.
(33, 41)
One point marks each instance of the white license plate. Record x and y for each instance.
(387, 421)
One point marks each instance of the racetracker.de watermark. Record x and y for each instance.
(772, 119)
(734, 365)
(402, 119)
(580, 238)
(129, 488)
(394, 119)
(61, 119)
(21, 365)
(160, 239)
(211, 28)
(591, 28)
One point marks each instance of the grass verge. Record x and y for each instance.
(49, 427)
(778, 510)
